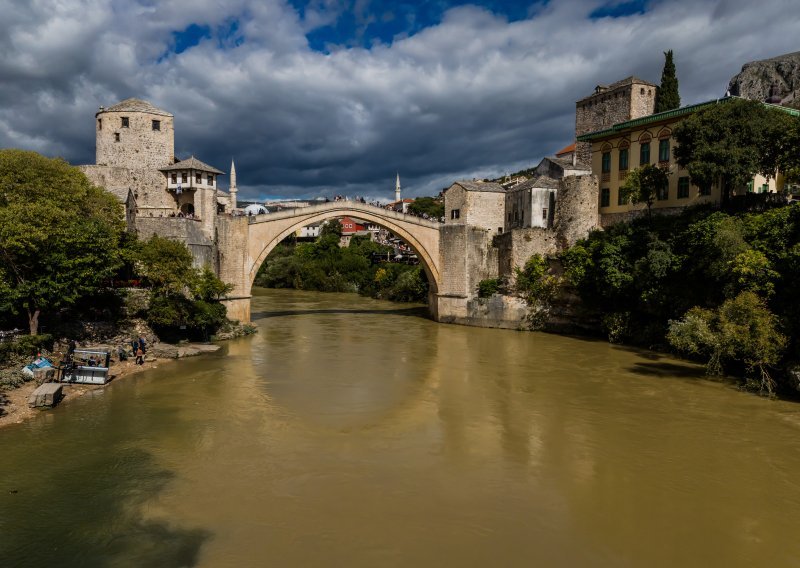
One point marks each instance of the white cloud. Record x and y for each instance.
(472, 96)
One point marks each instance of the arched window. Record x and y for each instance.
(644, 149)
(623, 155)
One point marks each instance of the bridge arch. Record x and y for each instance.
(267, 238)
(243, 250)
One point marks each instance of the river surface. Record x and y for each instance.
(354, 432)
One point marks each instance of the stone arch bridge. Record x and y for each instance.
(243, 243)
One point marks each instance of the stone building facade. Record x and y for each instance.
(475, 203)
(630, 144)
(624, 100)
(532, 202)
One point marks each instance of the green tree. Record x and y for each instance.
(729, 142)
(644, 184)
(166, 265)
(427, 205)
(59, 234)
(742, 329)
(538, 287)
(207, 287)
(668, 97)
(332, 227)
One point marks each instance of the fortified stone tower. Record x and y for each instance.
(624, 100)
(137, 136)
(134, 134)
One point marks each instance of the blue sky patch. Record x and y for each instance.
(190, 37)
(620, 9)
(380, 21)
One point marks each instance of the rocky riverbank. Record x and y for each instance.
(14, 407)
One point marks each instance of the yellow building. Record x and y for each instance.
(648, 140)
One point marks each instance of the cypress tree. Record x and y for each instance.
(668, 97)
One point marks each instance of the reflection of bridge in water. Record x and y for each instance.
(245, 242)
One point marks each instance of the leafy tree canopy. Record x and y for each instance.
(730, 142)
(166, 265)
(644, 184)
(59, 234)
(427, 205)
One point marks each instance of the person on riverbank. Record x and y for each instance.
(142, 344)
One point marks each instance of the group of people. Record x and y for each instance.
(139, 349)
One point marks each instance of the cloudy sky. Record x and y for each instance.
(318, 97)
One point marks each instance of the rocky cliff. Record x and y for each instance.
(757, 77)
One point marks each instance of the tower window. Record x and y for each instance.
(455, 213)
(184, 177)
(156, 125)
(174, 178)
(99, 124)
(125, 122)
(198, 177)
(210, 179)
(116, 137)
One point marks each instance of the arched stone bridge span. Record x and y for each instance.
(245, 242)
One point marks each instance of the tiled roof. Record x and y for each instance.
(666, 115)
(567, 164)
(121, 193)
(136, 105)
(630, 81)
(539, 182)
(191, 164)
(624, 82)
(566, 149)
(480, 186)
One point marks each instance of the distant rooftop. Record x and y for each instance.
(566, 150)
(135, 105)
(480, 186)
(191, 164)
(545, 182)
(632, 80)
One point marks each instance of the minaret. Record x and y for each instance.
(397, 188)
(233, 189)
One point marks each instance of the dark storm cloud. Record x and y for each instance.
(472, 96)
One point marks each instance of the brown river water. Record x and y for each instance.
(354, 432)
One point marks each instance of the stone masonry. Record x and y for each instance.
(480, 204)
(610, 104)
(136, 135)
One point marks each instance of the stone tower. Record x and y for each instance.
(134, 134)
(609, 104)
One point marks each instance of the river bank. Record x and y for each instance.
(14, 407)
